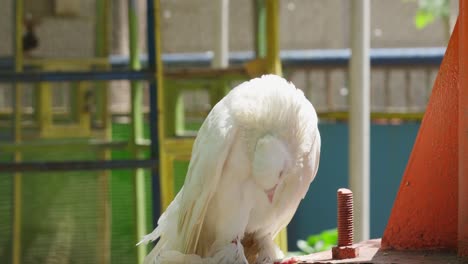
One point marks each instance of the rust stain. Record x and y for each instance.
(251, 247)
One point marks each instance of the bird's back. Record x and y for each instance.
(220, 200)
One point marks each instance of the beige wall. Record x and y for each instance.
(188, 26)
(6, 24)
(305, 24)
(59, 36)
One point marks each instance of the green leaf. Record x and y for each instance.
(313, 239)
(319, 242)
(423, 18)
(430, 10)
(330, 237)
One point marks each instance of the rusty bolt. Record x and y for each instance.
(345, 248)
(345, 217)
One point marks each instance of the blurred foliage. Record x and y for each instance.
(318, 242)
(430, 10)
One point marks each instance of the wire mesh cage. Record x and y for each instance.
(75, 183)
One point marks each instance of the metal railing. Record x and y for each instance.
(401, 79)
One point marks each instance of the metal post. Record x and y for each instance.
(359, 136)
(273, 65)
(221, 51)
(137, 127)
(102, 51)
(272, 26)
(221, 38)
(18, 94)
(463, 131)
(260, 28)
(155, 64)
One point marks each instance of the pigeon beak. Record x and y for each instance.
(271, 193)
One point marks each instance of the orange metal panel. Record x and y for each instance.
(425, 210)
(463, 132)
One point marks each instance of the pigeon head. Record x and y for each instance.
(270, 163)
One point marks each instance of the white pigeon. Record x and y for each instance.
(252, 163)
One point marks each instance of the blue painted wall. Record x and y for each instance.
(391, 146)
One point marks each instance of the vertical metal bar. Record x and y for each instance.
(273, 64)
(36, 103)
(102, 50)
(359, 137)
(329, 91)
(463, 131)
(137, 127)
(387, 94)
(173, 117)
(178, 116)
(221, 38)
(104, 252)
(273, 45)
(74, 113)
(309, 87)
(427, 82)
(18, 94)
(45, 108)
(155, 64)
(409, 97)
(221, 50)
(137, 87)
(260, 28)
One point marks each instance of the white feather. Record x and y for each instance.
(262, 136)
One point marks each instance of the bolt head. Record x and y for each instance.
(345, 252)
